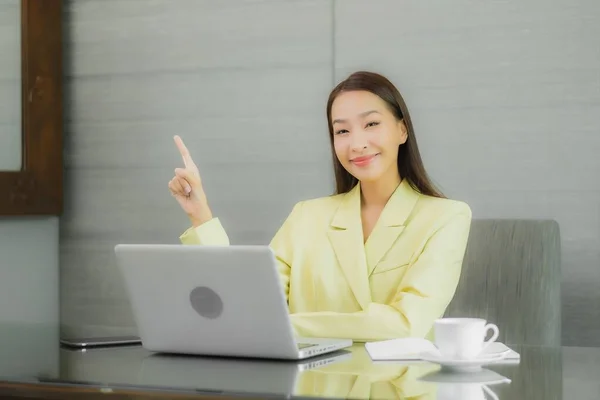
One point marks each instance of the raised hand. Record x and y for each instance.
(186, 187)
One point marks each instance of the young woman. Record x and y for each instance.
(381, 258)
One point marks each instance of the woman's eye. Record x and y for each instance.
(341, 131)
(374, 123)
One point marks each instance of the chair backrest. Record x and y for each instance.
(511, 276)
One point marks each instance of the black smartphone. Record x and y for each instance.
(90, 342)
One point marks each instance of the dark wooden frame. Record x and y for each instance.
(37, 189)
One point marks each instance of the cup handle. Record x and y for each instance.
(495, 334)
(490, 392)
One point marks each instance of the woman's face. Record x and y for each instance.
(366, 135)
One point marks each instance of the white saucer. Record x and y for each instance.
(458, 364)
(481, 377)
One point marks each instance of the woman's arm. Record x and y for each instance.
(210, 233)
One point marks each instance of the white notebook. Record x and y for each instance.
(410, 349)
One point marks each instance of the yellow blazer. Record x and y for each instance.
(394, 285)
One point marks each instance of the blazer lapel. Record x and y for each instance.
(346, 238)
(390, 224)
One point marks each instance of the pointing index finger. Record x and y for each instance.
(185, 154)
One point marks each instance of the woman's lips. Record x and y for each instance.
(364, 160)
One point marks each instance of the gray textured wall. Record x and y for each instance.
(29, 296)
(504, 96)
(29, 274)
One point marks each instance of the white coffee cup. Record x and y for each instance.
(463, 338)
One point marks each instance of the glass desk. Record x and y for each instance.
(34, 365)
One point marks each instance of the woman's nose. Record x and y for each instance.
(359, 142)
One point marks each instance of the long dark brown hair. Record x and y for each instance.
(410, 165)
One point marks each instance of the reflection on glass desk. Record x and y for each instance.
(542, 373)
(345, 374)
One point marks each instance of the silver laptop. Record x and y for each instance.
(213, 300)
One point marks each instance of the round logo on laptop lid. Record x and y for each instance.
(206, 302)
